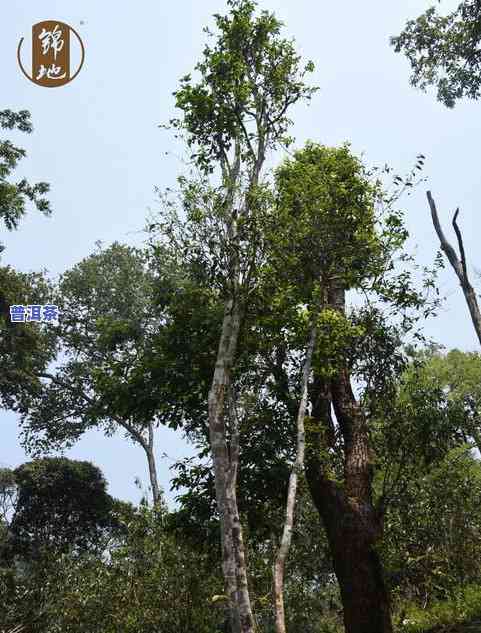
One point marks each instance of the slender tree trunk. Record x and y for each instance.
(154, 482)
(148, 445)
(225, 473)
(243, 598)
(285, 544)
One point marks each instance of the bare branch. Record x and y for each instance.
(460, 244)
(459, 266)
(445, 245)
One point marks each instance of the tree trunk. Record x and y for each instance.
(225, 474)
(283, 551)
(353, 532)
(154, 482)
(353, 526)
(148, 445)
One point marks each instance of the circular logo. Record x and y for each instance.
(57, 53)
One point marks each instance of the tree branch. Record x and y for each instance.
(459, 266)
(460, 244)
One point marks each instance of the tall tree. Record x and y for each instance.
(350, 237)
(232, 117)
(329, 229)
(111, 372)
(444, 52)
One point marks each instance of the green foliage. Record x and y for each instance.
(463, 607)
(249, 78)
(326, 208)
(436, 408)
(113, 369)
(148, 580)
(336, 228)
(443, 51)
(61, 505)
(13, 196)
(432, 529)
(25, 349)
(428, 477)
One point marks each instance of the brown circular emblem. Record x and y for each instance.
(51, 54)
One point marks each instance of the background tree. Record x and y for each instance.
(25, 350)
(61, 504)
(111, 373)
(13, 196)
(146, 580)
(427, 468)
(60, 512)
(443, 51)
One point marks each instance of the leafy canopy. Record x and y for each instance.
(14, 195)
(444, 51)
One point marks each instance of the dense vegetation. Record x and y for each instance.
(275, 318)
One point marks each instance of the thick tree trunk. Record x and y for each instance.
(353, 526)
(285, 545)
(353, 533)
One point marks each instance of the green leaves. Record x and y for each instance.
(443, 51)
(13, 196)
(27, 348)
(62, 505)
(325, 212)
(249, 78)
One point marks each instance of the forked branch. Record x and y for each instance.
(458, 264)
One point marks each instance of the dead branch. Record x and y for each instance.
(459, 265)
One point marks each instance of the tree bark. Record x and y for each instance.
(154, 482)
(459, 265)
(225, 472)
(358, 529)
(285, 544)
(352, 523)
(352, 535)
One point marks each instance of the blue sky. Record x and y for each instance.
(97, 142)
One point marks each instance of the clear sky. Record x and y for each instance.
(97, 143)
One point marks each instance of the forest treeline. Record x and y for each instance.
(274, 317)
